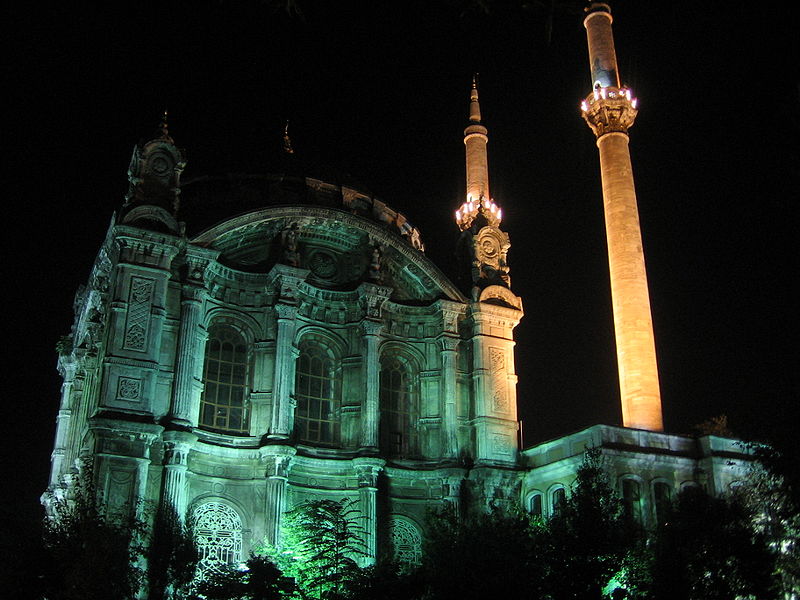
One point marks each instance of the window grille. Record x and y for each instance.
(224, 403)
(218, 533)
(406, 541)
(317, 392)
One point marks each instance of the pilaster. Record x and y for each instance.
(370, 408)
(277, 461)
(367, 471)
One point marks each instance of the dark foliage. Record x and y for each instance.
(492, 555)
(259, 580)
(89, 554)
(588, 536)
(172, 557)
(708, 550)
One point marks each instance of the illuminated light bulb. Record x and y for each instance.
(603, 93)
(634, 102)
(584, 106)
(596, 95)
(499, 212)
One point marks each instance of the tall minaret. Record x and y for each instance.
(479, 217)
(610, 110)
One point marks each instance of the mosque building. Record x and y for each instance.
(245, 344)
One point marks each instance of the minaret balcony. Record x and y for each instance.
(609, 109)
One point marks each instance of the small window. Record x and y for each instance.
(558, 496)
(225, 375)
(661, 497)
(535, 505)
(632, 500)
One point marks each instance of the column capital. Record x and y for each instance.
(277, 460)
(367, 470)
(371, 327)
(285, 311)
(449, 343)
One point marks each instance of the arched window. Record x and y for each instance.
(399, 407)
(535, 505)
(661, 497)
(318, 394)
(218, 534)
(406, 541)
(557, 497)
(224, 403)
(632, 500)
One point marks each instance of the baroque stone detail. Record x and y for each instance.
(129, 388)
(138, 319)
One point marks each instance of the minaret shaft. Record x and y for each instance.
(633, 325)
(609, 111)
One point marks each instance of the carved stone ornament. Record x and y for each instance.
(491, 249)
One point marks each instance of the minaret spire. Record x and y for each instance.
(610, 110)
(478, 200)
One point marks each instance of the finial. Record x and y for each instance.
(164, 128)
(287, 143)
(474, 107)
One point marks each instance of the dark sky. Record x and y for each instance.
(378, 91)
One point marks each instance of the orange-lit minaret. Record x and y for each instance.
(610, 110)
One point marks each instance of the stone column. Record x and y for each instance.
(450, 439)
(177, 445)
(370, 407)
(367, 471)
(282, 403)
(184, 407)
(278, 460)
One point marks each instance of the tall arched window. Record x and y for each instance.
(661, 497)
(318, 394)
(632, 500)
(535, 505)
(557, 497)
(224, 403)
(218, 534)
(399, 407)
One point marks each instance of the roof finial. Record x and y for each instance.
(163, 127)
(474, 106)
(287, 143)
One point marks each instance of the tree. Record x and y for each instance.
(772, 495)
(483, 555)
(89, 553)
(589, 537)
(172, 557)
(709, 549)
(260, 579)
(322, 541)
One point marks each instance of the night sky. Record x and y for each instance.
(377, 93)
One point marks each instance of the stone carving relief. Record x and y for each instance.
(129, 388)
(137, 323)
